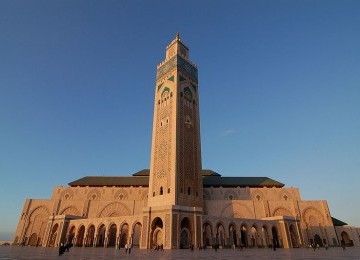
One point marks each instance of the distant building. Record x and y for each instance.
(176, 203)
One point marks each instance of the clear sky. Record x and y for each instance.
(278, 81)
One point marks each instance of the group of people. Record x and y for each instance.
(128, 249)
(159, 247)
(317, 246)
(63, 248)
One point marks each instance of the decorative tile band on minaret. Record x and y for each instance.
(175, 177)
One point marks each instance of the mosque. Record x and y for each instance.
(176, 203)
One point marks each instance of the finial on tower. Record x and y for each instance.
(177, 47)
(177, 37)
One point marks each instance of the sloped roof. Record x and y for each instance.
(241, 182)
(146, 172)
(337, 222)
(99, 181)
(209, 173)
(210, 178)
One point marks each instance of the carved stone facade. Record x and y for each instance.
(177, 204)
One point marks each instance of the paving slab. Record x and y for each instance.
(18, 252)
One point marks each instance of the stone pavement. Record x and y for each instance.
(17, 252)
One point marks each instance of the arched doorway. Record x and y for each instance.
(157, 236)
(275, 236)
(345, 237)
(53, 235)
(255, 237)
(112, 235)
(265, 236)
(80, 236)
(33, 240)
(293, 236)
(244, 236)
(71, 235)
(207, 235)
(220, 235)
(136, 235)
(90, 236)
(37, 223)
(318, 240)
(185, 233)
(101, 236)
(124, 235)
(232, 235)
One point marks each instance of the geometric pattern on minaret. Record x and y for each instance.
(175, 176)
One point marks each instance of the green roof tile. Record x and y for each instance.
(210, 178)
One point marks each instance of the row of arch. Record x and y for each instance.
(112, 235)
(245, 236)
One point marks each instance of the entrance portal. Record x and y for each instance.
(157, 236)
(185, 241)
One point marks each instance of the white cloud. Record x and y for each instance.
(229, 132)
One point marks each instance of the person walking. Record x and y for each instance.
(343, 244)
(126, 248)
(129, 249)
(61, 249)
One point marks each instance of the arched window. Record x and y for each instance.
(161, 190)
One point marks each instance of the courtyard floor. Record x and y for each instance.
(17, 252)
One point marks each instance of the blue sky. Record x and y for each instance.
(278, 81)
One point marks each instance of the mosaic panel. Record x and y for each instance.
(180, 63)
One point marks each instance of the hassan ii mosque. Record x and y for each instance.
(176, 203)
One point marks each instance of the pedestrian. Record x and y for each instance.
(343, 244)
(129, 249)
(61, 249)
(126, 248)
(68, 246)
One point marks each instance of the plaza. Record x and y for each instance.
(18, 252)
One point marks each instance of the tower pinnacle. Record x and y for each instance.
(177, 37)
(177, 47)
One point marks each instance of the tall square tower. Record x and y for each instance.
(175, 183)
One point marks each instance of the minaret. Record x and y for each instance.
(175, 176)
(173, 216)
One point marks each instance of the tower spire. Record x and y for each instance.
(177, 47)
(177, 37)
